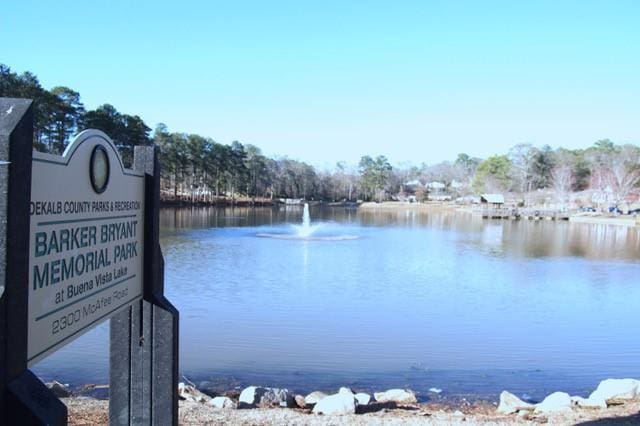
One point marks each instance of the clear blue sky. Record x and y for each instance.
(333, 80)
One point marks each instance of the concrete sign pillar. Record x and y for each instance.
(24, 400)
(79, 244)
(144, 339)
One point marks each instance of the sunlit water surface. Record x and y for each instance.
(377, 299)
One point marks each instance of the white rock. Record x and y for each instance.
(399, 396)
(587, 402)
(281, 397)
(509, 403)
(248, 396)
(345, 390)
(314, 397)
(363, 398)
(578, 400)
(300, 402)
(190, 393)
(557, 402)
(254, 396)
(615, 389)
(435, 390)
(336, 404)
(58, 389)
(222, 402)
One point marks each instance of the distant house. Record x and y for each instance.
(469, 199)
(412, 188)
(436, 186)
(290, 201)
(495, 200)
(440, 197)
(457, 185)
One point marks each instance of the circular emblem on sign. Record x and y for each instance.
(99, 169)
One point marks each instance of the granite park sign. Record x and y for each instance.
(85, 245)
(79, 245)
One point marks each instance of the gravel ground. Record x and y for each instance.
(89, 411)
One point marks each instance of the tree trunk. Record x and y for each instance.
(175, 185)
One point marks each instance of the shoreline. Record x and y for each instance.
(89, 411)
(613, 401)
(455, 386)
(629, 221)
(401, 205)
(606, 220)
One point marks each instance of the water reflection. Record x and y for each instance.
(513, 238)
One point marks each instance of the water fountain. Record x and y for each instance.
(306, 231)
(306, 218)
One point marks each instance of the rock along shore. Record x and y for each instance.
(614, 401)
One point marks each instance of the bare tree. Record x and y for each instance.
(346, 180)
(522, 157)
(562, 180)
(623, 171)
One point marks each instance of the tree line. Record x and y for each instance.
(199, 169)
(59, 114)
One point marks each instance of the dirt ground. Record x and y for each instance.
(89, 411)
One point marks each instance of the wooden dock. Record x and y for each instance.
(517, 214)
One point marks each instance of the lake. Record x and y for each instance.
(375, 299)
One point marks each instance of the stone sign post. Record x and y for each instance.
(79, 245)
(144, 338)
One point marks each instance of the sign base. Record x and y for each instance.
(32, 403)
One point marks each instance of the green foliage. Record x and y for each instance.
(66, 118)
(493, 174)
(59, 114)
(126, 131)
(541, 167)
(467, 164)
(374, 176)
